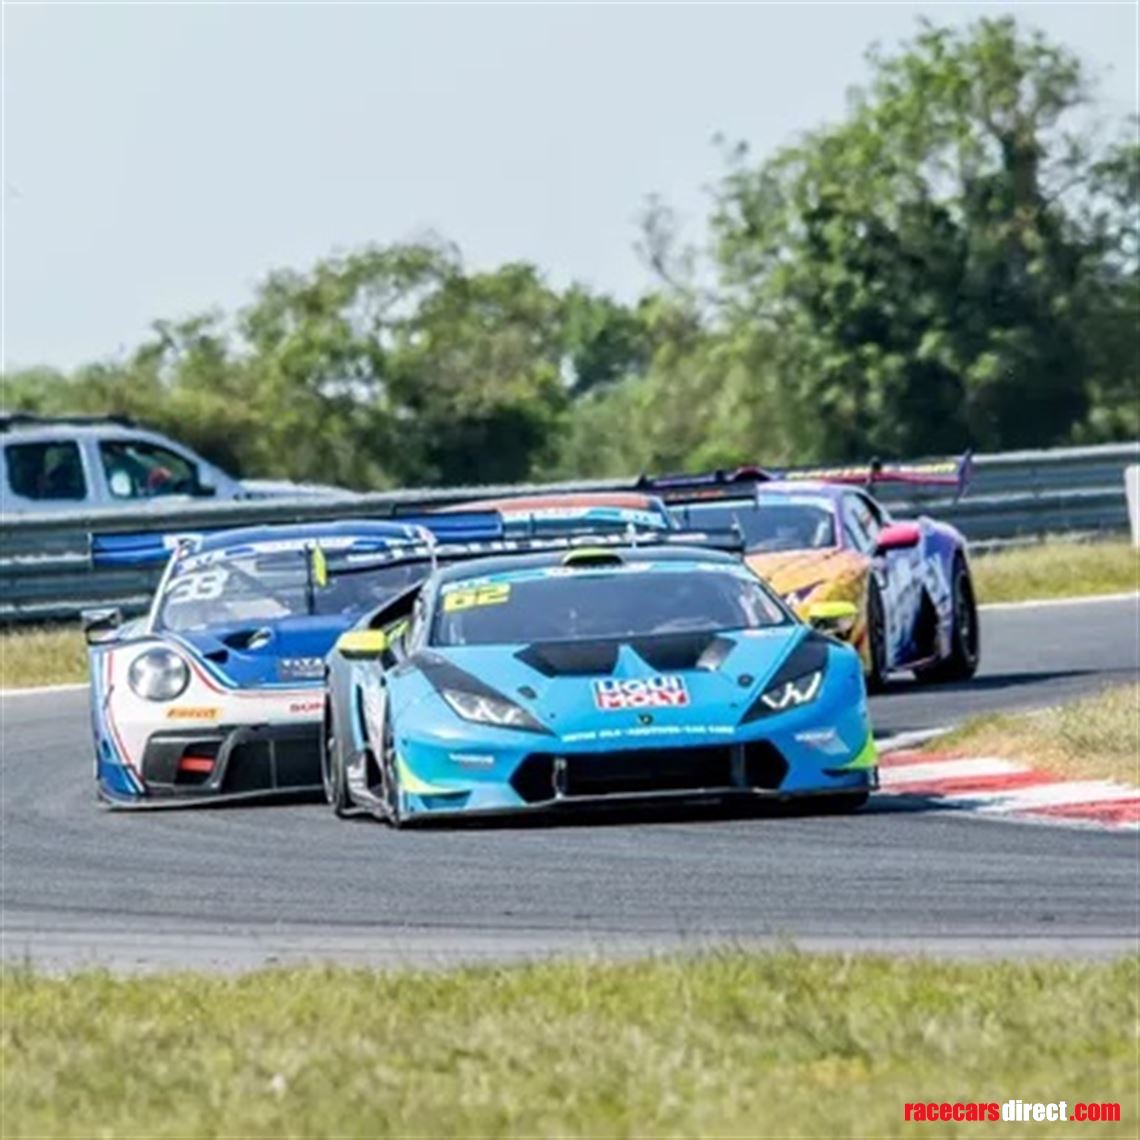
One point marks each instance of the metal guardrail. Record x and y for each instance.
(46, 571)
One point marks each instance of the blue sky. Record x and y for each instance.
(159, 160)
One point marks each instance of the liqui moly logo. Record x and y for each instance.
(667, 692)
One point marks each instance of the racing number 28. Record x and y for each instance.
(465, 599)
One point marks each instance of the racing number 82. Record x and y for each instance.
(465, 599)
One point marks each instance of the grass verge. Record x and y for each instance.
(1096, 737)
(42, 655)
(1056, 569)
(724, 1044)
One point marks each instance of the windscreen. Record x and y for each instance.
(769, 523)
(558, 604)
(268, 586)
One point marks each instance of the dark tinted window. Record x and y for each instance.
(859, 522)
(46, 470)
(587, 605)
(254, 587)
(775, 524)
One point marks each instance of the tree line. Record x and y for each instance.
(954, 264)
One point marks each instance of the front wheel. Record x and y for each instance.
(390, 776)
(877, 668)
(965, 643)
(332, 769)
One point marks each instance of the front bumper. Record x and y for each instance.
(208, 764)
(499, 773)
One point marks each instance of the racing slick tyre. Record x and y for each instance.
(965, 645)
(332, 770)
(390, 776)
(876, 678)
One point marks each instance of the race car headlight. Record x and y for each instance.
(483, 708)
(158, 675)
(798, 681)
(791, 694)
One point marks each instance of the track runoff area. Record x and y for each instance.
(946, 869)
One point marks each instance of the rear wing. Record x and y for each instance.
(447, 537)
(733, 483)
(728, 540)
(924, 473)
(154, 549)
(111, 550)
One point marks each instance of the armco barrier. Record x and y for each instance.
(46, 571)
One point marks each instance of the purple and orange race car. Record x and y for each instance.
(817, 536)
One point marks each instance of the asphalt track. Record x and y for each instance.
(234, 887)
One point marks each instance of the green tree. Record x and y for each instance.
(917, 268)
(477, 381)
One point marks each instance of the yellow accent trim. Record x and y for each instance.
(320, 567)
(831, 611)
(361, 644)
(494, 594)
(866, 757)
(410, 782)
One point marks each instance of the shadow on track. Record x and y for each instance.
(990, 682)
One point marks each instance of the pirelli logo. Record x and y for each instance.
(191, 712)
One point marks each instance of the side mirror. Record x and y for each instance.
(834, 618)
(898, 536)
(101, 625)
(205, 491)
(363, 644)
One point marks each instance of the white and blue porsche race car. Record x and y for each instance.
(217, 692)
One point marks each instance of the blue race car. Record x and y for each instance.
(588, 675)
(217, 692)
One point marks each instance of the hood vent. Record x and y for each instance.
(570, 658)
(666, 653)
(670, 652)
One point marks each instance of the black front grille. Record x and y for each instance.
(248, 759)
(764, 765)
(546, 775)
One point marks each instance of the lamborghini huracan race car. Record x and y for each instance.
(817, 535)
(217, 692)
(591, 675)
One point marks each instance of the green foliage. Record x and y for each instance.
(929, 283)
(956, 263)
(722, 1044)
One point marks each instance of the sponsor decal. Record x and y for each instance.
(464, 598)
(664, 692)
(312, 705)
(193, 712)
(301, 668)
(471, 759)
(827, 740)
(698, 730)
